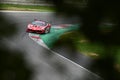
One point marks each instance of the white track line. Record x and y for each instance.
(42, 44)
(75, 64)
(23, 11)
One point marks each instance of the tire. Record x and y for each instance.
(47, 30)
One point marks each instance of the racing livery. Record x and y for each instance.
(38, 26)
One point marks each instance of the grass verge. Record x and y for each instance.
(17, 7)
(82, 44)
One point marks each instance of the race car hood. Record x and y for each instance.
(35, 27)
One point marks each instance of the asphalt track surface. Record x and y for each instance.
(47, 65)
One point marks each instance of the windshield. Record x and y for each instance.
(39, 23)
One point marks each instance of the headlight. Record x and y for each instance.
(42, 28)
(29, 26)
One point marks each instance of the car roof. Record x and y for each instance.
(39, 22)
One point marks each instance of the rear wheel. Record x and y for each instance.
(47, 30)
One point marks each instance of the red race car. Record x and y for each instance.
(38, 26)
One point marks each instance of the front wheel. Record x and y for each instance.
(47, 30)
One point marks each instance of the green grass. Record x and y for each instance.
(92, 49)
(17, 7)
(83, 45)
(95, 50)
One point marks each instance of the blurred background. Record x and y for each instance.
(97, 40)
